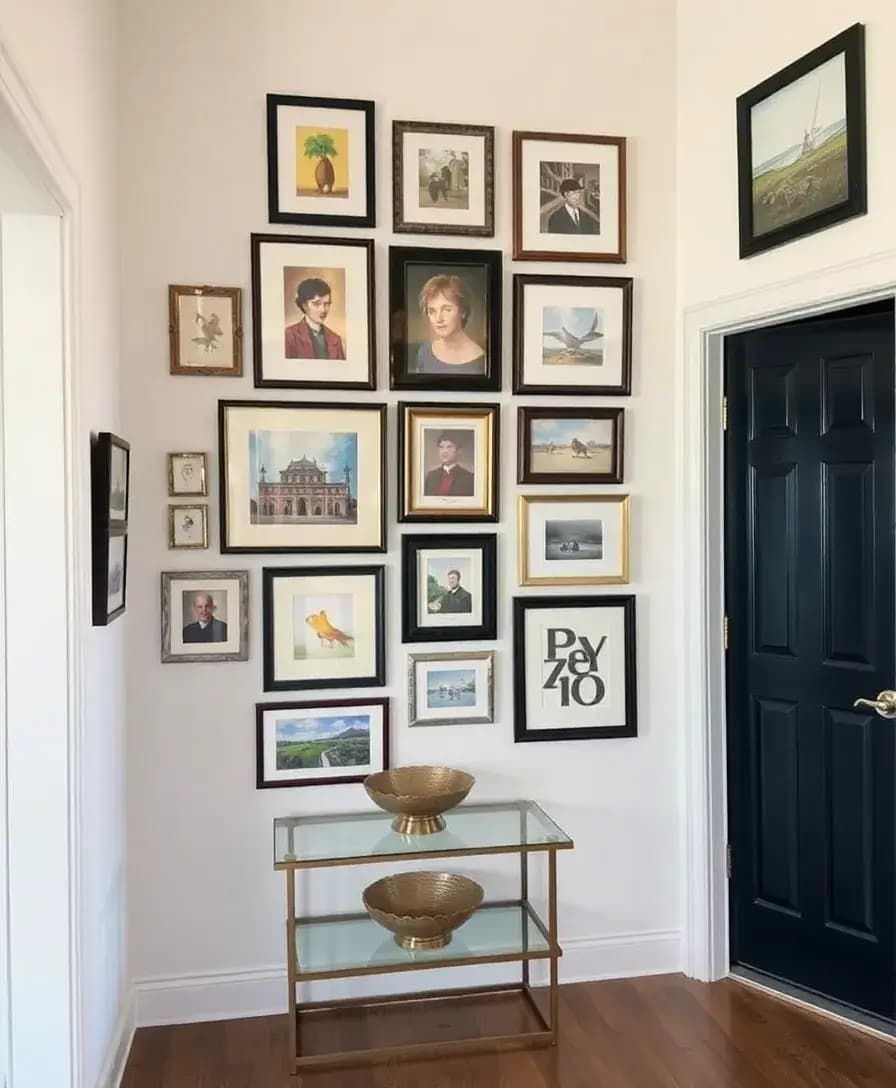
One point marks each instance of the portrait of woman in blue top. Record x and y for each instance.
(444, 301)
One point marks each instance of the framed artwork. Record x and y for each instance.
(302, 477)
(324, 627)
(187, 474)
(205, 615)
(451, 688)
(574, 668)
(573, 540)
(801, 145)
(322, 743)
(449, 587)
(187, 525)
(444, 318)
(205, 330)
(572, 335)
(110, 557)
(568, 197)
(109, 501)
(569, 445)
(321, 161)
(313, 312)
(443, 178)
(448, 462)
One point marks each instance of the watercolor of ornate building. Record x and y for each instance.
(303, 492)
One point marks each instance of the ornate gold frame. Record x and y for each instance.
(235, 294)
(172, 508)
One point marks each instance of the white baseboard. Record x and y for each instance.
(261, 991)
(120, 1046)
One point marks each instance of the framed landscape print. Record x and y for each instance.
(572, 335)
(205, 615)
(451, 688)
(574, 668)
(312, 312)
(801, 145)
(109, 501)
(323, 627)
(449, 587)
(302, 477)
(443, 178)
(321, 161)
(568, 197)
(187, 474)
(573, 540)
(444, 318)
(187, 525)
(448, 462)
(569, 445)
(322, 743)
(205, 330)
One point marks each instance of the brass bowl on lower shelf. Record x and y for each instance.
(422, 909)
(419, 795)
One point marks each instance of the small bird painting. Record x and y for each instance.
(325, 631)
(210, 332)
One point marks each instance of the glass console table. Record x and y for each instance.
(352, 945)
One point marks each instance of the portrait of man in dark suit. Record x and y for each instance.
(573, 217)
(205, 627)
(309, 338)
(455, 599)
(449, 477)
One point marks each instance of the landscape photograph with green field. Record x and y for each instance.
(341, 740)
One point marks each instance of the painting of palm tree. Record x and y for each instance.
(321, 162)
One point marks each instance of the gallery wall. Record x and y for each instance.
(206, 908)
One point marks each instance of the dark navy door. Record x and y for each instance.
(811, 619)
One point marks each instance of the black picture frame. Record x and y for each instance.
(411, 628)
(555, 605)
(336, 705)
(105, 525)
(405, 258)
(521, 281)
(851, 43)
(364, 106)
(256, 241)
(527, 475)
(376, 678)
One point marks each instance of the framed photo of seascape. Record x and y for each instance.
(801, 146)
(569, 445)
(323, 743)
(451, 688)
(573, 540)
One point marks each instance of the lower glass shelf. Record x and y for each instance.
(341, 946)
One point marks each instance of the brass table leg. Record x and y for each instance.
(291, 954)
(552, 930)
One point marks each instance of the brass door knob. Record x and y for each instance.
(884, 704)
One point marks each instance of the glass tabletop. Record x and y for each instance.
(359, 945)
(355, 837)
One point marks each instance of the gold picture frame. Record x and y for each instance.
(187, 474)
(569, 538)
(202, 321)
(183, 535)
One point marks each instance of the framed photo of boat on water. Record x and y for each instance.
(801, 145)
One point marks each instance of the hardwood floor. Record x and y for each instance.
(660, 1032)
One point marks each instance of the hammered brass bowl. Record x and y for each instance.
(419, 795)
(422, 909)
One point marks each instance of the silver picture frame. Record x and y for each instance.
(416, 711)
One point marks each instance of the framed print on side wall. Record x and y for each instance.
(801, 145)
(443, 178)
(205, 330)
(109, 503)
(323, 627)
(568, 197)
(302, 477)
(205, 615)
(569, 445)
(574, 668)
(321, 161)
(313, 312)
(451, 688)
(449, 590)
(573, 540)
(322, 743)
(572, 335)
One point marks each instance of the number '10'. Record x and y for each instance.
(573, 689)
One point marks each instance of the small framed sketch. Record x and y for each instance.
(451, 688)
(109, 501)
(574, 668)
(443, 178)
(801, 145)
(205, 615)
(302, 477)
(573, 540)
(321, 161)
(187, 525)
(312, 312)
(187, 474)
(448, 462)
(205, 330)
(569, 445)
(323, 627)
(568, 197)
(449, 587)
(445, 318)
(323, 743)
(572, 335)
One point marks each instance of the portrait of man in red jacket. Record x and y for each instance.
(309, 338)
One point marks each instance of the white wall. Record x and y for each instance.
(204, 898)
(65, 51)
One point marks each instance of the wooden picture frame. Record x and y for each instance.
(452, 579)
(196, 329)
(569, 445)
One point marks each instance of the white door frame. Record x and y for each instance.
(700, 462)
(41, 157)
